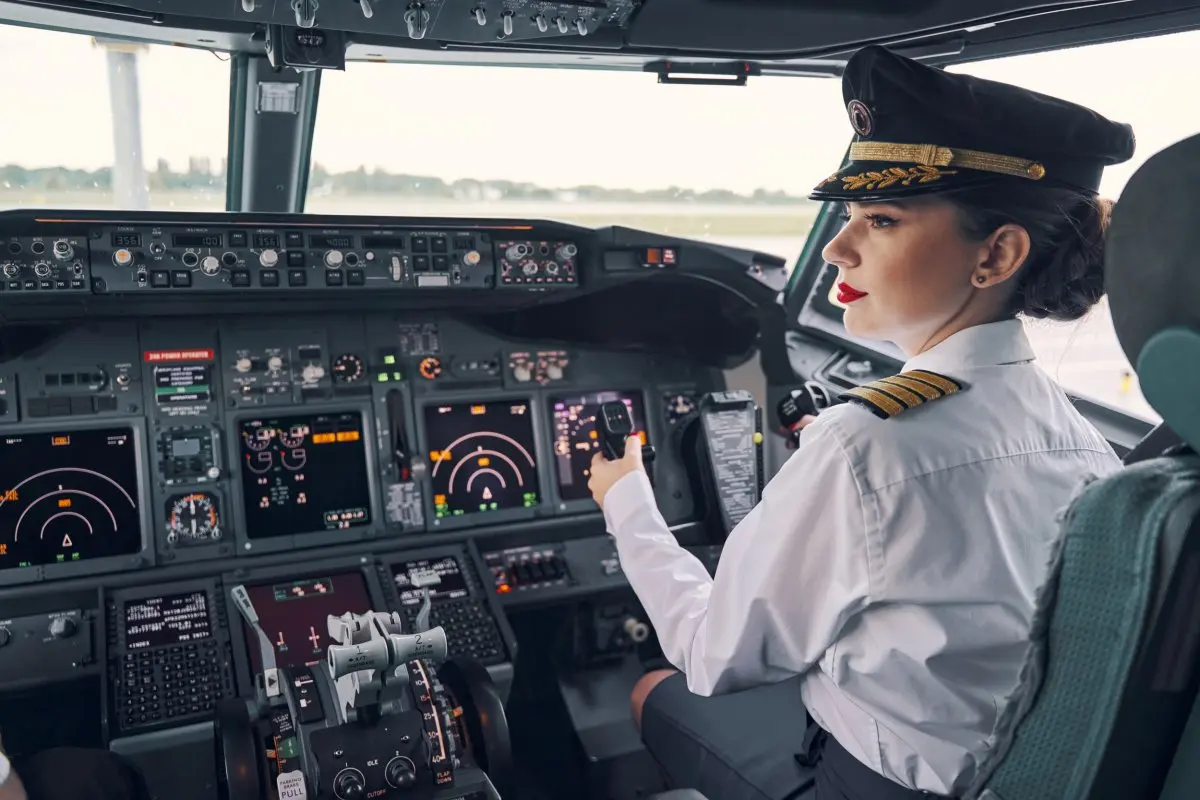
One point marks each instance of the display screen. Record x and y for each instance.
(576, 440)
(442, 575)
(295, 615)
(166, 620)
(481, 457)
(304, 473)
(326, 242)
(196, 240)
(182, 383)
(68, 496)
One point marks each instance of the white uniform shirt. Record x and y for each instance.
(892, 562)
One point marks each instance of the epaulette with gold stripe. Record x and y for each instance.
(887, 397)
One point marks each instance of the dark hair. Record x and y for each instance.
(1063, 276)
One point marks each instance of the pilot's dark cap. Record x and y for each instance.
(919, 129)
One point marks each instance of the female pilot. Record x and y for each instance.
(891, 567)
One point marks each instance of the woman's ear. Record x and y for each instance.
(1002, 255)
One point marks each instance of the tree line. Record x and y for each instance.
(377, 181)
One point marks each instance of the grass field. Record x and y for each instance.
(683, 219)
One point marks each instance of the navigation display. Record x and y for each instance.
(481, 457)
(442, 575)
(67, 496)
(304, 473)
(166, 620)
(294, 614)
(576, 439)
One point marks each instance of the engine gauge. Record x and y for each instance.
(193, 519)
(430, 368)
(348, 368)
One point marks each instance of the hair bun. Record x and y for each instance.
(1071, 278)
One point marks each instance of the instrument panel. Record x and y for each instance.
(82, 256)
(162, 442)
(125, 445)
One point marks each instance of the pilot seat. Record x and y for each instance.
(1112, 678)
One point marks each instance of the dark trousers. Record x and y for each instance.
(77, 773)
(759, 744)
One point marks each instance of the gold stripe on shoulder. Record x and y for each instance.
(887, 397)
(946, 384)
(878, 403)
(898, 391)
(921, 388)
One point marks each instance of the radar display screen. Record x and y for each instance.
(576, 440)
(442, 575)
(294, 614)
(166, 620)
(68, 496)
(304, 473)
(481, 457)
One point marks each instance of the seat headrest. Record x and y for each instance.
(1152, 276)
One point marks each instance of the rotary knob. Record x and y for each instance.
(42, 269)
(333, 258)
(268, 258)
(11, 270)
(62, 627)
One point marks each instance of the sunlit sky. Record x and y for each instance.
(550, 127)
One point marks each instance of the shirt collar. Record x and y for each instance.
(987, 345)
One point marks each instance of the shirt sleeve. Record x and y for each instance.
(790, 575)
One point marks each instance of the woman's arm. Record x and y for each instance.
(791, 573)
(10, 786)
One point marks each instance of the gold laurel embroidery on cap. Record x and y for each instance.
(937, 156)
(892, 175)
(887, 397)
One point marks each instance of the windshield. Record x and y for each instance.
(721, 163)
(158, 113)
(725, 164)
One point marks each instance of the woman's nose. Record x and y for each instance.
(839, 252)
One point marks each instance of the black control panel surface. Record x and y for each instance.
(550, 572)
(459, 600)
(169, 654)
(99, 256)
(130, 445)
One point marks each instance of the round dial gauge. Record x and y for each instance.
(193, 518)
(348, 368)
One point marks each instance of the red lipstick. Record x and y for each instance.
(848, 294)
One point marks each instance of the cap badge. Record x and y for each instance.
(860, 118)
